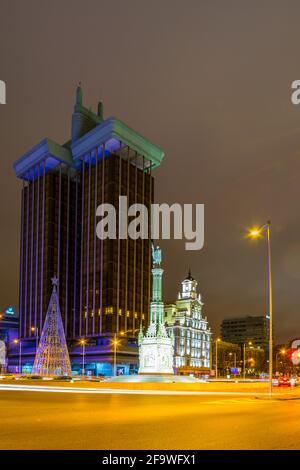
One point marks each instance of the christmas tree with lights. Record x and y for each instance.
(52, 356)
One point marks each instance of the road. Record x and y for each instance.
(34, 420)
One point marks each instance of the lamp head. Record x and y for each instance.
(254, 232)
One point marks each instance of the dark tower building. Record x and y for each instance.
(104, 285)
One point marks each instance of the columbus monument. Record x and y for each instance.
(156, 350)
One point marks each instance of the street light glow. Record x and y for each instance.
(254, 232)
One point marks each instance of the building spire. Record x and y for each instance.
(100, 110)
(79, 95)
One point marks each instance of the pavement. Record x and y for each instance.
(89, 417)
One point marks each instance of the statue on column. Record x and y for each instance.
(156, 256)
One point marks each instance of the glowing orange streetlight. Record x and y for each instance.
(218, 340)
(257, 232)
(282, 352)
(83, 343)
(19, 342)
(36, 331)
(115, 342)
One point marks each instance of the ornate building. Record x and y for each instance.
(190, 329)
(156, 346)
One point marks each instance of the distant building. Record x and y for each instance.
(232, 358)
(228, 358)
(9, 331)
(9, 324)
(192, 335)
(241, 330)
(2, 356)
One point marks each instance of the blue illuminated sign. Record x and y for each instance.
(9, 311)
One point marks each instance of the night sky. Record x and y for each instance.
(209, 82)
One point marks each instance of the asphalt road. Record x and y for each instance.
(34, 420)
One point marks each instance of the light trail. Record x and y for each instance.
(57, 389)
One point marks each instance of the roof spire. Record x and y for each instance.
(189, 276)
(100, 110)
(79, 95)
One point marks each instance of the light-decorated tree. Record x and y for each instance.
(52, 356)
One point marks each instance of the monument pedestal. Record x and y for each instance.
(156, 355)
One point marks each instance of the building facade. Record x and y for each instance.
(104, 285)
(192, 335)
(9, 332)
(243, 330)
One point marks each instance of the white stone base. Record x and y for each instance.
(156, 356)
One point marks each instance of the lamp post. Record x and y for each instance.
(36, 331)
(282, 353)
(244, 357)
(83, 343)
(115, 343)
(217, 341)
(255, 233)
(19, 342)
(234, 358)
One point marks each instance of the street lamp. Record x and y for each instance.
(282, 352)
(123, 333)
(83, 343)
(217, 341)
(256, 233)
(115, 343)
(244, 368)
(234, 358)
(19, 342)
(36, 331)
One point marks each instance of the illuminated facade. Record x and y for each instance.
(104, 285)
(192, 335)
(156, 345)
